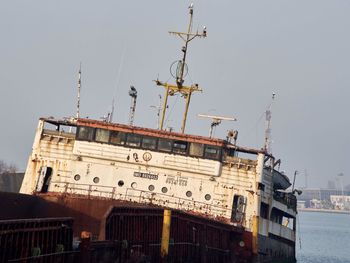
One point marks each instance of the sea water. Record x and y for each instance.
(323, 237)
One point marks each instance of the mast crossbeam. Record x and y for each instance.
(186, 91)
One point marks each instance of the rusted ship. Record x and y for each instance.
(108, 192)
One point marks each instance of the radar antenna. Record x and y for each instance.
(215, 121)
(185, 91)
(78, 97)
(133, 95)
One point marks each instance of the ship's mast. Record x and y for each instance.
(185, 91)
(112, 112)
(78, 98)
(133, 95)
(158, 109)
(268, 139)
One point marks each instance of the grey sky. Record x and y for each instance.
(298, 49)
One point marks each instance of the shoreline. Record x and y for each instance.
(323, 210)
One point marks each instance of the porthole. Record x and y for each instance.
(207, 197)
(134, 185)
(188, 193)
(151, 187)
(96, 180)
(121, 183)
(77, 177)
(164, 190)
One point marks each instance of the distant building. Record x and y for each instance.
(341, 202)
(331, 185)
(11, 182)
(301, 204)
(315, 203)
(319, 194)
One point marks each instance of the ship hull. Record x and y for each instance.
(138, 227)
(274, 249)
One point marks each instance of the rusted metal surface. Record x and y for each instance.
(89, 211)
(191, 238)
(128, 232)
(33, 237)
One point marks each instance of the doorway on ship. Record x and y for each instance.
(44, 179)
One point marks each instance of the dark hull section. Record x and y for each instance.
(24, 237)
(127, 232)
(192, 238)
(276, 249)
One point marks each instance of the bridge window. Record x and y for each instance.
(117, 138)
(180, 147)
(164, 145)
(133, 140)
(102, 135)
(196, 149)
(149, 143)
(212, 152)
(85, 133)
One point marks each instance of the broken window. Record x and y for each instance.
(196, 149)
(85, 133)
(102, 135)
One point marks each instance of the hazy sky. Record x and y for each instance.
(298, 49)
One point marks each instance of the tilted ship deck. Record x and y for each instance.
(136, 194)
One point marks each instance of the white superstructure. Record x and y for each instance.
(200, 175)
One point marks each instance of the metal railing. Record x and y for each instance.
(140, 196)
(288, 199)
(61, 257)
